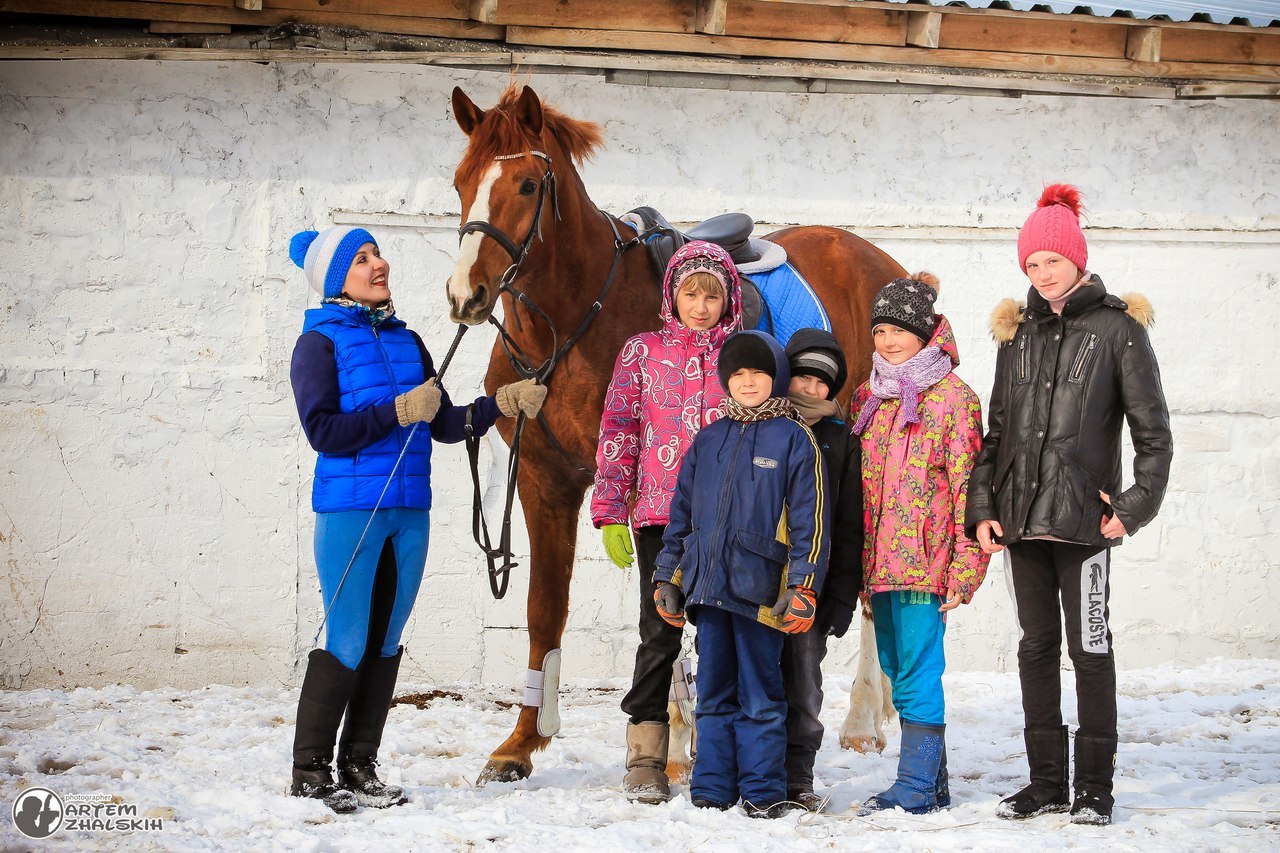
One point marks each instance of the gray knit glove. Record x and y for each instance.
(420, 404)
(524, 396)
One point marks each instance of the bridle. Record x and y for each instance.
(499, 572)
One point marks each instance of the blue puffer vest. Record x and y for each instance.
(374, 366)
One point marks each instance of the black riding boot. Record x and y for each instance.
(1095, 767)
(1047, 793)
(362, 734)
(325, 691)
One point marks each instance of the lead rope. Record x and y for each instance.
(439, 377)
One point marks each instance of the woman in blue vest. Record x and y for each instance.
(365, 388)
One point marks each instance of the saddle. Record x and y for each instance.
(729, 231)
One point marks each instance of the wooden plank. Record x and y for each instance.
(1261, 47)
(909, 56)
(448, 9)
(838, 25)
(709, 16)
(498, 59)
(923, 28)
(1143, 44)
(1229, 90)
(249, 5)
(484, 11)
(180, 27)
(1012, 35)
(664, 16)
(269, 16)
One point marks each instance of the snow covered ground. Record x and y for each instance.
(1199, 769)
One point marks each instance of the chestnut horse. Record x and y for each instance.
(533, 237)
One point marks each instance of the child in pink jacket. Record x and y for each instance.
(921, 429)
(664, 390)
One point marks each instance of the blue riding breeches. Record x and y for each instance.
(374, 602)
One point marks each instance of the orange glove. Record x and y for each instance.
(669, 599)
(798, 606)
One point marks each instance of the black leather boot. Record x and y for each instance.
(1047, 793)
(325, 690)
(1095, 768)
(362, 734)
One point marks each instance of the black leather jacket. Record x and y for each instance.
(1064, 385)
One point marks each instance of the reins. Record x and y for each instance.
(522, 364)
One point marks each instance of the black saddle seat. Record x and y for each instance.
(730, 231)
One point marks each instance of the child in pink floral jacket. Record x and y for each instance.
(664, 390)
(921, 429)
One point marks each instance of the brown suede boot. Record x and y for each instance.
(646, 779)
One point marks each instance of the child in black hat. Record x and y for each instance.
(746, 553)
(818, 372)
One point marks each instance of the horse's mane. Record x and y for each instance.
(499, 133)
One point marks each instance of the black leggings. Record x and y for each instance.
(1041, 572)
(659, 648)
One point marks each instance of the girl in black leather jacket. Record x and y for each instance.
(1074, 365)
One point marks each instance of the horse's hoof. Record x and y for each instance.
(503, 771)
(679, 772)
(863, 745)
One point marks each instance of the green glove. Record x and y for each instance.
(617, 544)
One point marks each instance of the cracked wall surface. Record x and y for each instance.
(155, 523)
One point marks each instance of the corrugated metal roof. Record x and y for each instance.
(1249, 13)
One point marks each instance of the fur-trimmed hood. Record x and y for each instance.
(1010, 313)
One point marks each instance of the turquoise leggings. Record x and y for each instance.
(374, 602)
(909, 631)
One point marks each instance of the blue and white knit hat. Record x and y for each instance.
(326, 256)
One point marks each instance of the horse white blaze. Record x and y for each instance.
(469, 249)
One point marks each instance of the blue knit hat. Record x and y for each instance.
(326, 256)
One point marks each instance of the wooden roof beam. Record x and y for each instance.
(923, 28)
(1142, 44)
(710, 16)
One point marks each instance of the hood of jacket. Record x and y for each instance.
(730, 321)
(751, 346)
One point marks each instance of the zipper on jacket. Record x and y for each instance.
(1083, 358)
(395, 386)
(721, 514)
(1024, 360)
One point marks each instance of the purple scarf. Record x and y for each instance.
(905, 382)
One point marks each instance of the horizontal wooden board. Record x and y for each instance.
(448, 9)
(1020, 35)
(1262, 47)
(838, 24)
(663, 16)
(991, 60)
(269, 16)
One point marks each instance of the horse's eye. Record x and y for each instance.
(529, 187)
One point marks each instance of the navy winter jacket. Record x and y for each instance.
(749, 517)
(346, 375)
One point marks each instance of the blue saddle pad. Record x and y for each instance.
(792, 302)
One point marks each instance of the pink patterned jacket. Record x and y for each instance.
(914, 479)
(664, 389)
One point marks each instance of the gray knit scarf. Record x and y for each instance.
(905, 382)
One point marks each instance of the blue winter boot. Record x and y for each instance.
(916, 790)
(942, 788)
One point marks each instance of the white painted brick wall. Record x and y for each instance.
(154, 484)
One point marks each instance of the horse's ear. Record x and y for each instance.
(529, 111)
(465, 113)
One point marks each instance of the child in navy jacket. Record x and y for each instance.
(746, 552)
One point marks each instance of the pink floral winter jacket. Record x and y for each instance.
(664, 389)
(914, 478)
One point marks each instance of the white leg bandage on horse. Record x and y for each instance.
(683, 685)
(542, 691)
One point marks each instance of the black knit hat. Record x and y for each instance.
(908, 304)
(816, 352)
(758, 351)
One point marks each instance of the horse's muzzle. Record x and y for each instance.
(476, 309)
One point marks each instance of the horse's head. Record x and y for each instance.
(507, 184)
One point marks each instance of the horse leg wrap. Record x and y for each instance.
(542, 691)
(683, 686)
